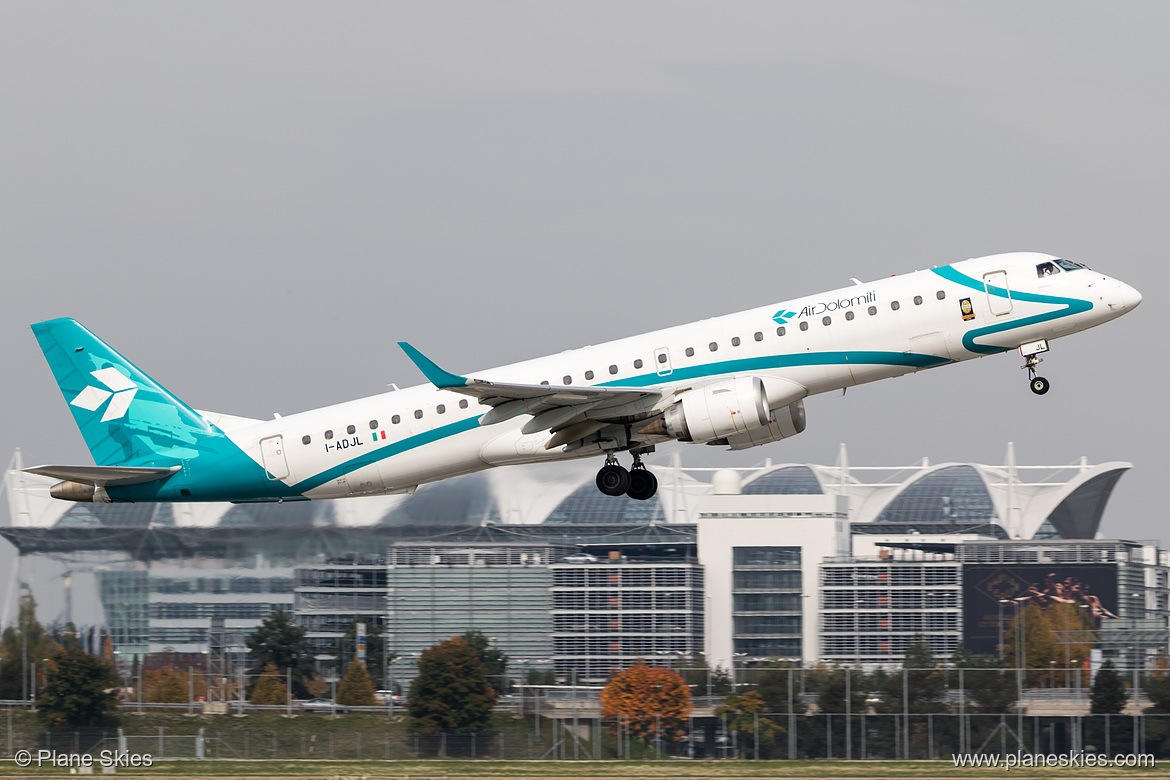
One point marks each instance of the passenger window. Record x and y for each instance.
(780, 331)
(735, 341)
(305, 440)
(395, 419)
(759, 336)
(373, 425)
(638, 363)
(613, 369)
(941, 294)
(849, 315)
(328, 435)
(418, 414)
(872, 310)
(568, 380)
(588, 375)
(804, 325)
(827, 321)
(463, 404)
(895, 305)
(441, 409)
(544, 382)
(690, 351)
(917, 300)
(351, 430)
(713, 346)
(662, 357)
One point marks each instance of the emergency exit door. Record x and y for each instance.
(998, 294)
(272, 453)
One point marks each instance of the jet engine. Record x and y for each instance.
(714, 412)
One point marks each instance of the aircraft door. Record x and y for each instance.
(272, 454)
(998, 293)
(662, 361)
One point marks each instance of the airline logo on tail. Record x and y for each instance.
(120, 393)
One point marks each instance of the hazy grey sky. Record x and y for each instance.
(255, 201)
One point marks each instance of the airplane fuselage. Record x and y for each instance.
(394, 441)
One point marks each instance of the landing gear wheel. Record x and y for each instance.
(1039, 385)
(643, 485)
(613, 480)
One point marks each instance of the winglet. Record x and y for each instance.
(437, 376)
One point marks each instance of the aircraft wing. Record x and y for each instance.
(553, 408)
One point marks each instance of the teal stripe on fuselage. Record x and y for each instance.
(744, 365)
(1072, 306)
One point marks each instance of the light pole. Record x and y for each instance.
(734, 682)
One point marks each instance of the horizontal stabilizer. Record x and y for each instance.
(102, 476)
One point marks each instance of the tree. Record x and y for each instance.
(836, 689)
(772, 683)
(356, 689)
(21, 645)
(79, 690)
(920, 687)
(375, 649)
(168, 684)
(1049, 635)
(1108, 694)
(649, 702)
(451, 691)
(987, 686)
(495, 663)
(278, 640)
(271, 688)
(701, 678)
(745, 716)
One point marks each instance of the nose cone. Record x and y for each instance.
(1126, 298)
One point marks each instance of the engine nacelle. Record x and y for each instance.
(789, 421)
(713, 412)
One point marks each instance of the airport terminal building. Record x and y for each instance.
(803, 562)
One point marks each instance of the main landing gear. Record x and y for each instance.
(1031, 353)
(638, 483)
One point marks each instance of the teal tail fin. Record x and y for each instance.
(125, 416)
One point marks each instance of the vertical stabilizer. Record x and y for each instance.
(125, 416)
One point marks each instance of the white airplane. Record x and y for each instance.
(737, 381)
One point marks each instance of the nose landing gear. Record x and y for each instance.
(1031, 353)
(638, 483)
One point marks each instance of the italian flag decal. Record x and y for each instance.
(381, 434)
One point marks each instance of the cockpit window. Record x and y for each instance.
(1046, 269)
(1069, 265)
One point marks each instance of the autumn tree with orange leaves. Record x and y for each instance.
(650, 701)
